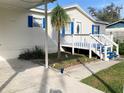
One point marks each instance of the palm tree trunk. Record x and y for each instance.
(59, 52)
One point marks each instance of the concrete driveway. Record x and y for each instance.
(18, 76)
(82, 71)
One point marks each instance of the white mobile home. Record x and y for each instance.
(19, 30)
(83, 32)
(15, 35)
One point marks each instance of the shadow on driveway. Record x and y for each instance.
(44, 87)
(18, 66)
(101, 80)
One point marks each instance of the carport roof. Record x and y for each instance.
(24, 4)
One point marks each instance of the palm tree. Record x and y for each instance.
(59, 19)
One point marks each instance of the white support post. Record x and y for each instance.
(101, 55)
(111, 36)
(117, 50)
(105, 54)
(46, 36)
(111, 48)
(73, 44)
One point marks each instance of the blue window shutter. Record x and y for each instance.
(63, 31)
(92, 29)
(98, 29)
(30, 21)
(44, 23)
(72, 27)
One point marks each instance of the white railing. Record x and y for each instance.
(99, 44)
(102, 39)
(78, 41)
(108, 41)
(85, 41)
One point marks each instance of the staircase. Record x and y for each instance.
(107, 47)
(100, 44)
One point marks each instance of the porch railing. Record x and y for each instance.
(99, 44)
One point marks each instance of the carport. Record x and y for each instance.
(23, 5)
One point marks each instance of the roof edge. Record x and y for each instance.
(115, 22)
(72, 6)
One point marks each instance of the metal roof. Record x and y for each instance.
(24, 4)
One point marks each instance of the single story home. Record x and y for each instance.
(117, 29)
(23, 27)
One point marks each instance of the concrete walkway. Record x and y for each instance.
(25, 77)
(82, 71)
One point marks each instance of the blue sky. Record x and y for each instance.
(86, 3)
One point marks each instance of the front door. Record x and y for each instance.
(78, 28)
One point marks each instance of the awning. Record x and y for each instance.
(24, 4)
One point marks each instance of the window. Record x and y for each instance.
(68, 29)
(78, 28)
(95, 29)
(36, 22)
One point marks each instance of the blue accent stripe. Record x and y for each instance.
(72, 27)
(92, 29)
(63, 31)
(44, 23)
(30, 21)
(98, 29)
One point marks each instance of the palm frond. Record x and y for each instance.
(59, 17)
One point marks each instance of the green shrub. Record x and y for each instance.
(34, 53)
(121, 48)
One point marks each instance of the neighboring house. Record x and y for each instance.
(117, 29)
(21, 29)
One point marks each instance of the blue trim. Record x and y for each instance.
(111, 55)
(30, 21)
(119, 24)
(115, 55)
(94, 45)
(92, 29)
(63, 31)
(72, 27)
(98, 29)
(98, 47)
(44, 23)
(103, 48)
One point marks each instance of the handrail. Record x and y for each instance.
(93, 42)
(106, 38)
(110, 40)
(77, 34)
(96, 39)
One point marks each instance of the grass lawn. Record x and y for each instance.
(67, 60)
(110, 80)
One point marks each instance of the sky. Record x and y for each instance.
(99, 4)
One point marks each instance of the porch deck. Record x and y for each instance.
(100, 44)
